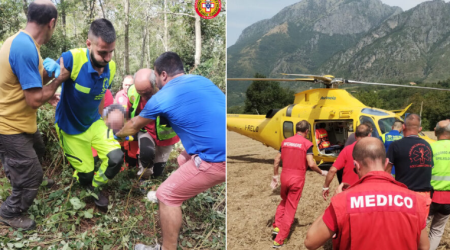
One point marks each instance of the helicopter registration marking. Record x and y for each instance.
(328, 98)
(251, 128)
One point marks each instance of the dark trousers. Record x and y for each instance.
(20, 155)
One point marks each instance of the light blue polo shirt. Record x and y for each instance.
(195, 108)
(24, 61)
(80, 98)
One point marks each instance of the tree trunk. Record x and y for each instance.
(25, 7)
(63, 18)
(127, 24)
(144, 38)
(118, 67)
(198, 41)
(101, 6)
(166, 45)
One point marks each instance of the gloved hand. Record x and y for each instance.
(324, 173)
(275, 181)
(52, 67)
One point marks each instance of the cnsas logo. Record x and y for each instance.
(328, 98)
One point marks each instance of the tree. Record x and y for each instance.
(263, 96)
(127, 37)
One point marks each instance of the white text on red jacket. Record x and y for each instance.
(379, 201)
(291, 144)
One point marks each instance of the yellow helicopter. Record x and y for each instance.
(331, 112)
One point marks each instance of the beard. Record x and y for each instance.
(96, 63)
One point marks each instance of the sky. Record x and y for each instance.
(241, 14)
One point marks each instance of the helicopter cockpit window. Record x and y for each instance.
(364, 119)
(288, 129)
(370, 111)
(386, 124)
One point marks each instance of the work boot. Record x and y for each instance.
(17, 222)
(102, 201)
(145, 247)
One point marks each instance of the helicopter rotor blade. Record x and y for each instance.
(392, 85)
(321, 78)
(273, 79)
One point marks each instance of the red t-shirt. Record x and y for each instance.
(121, 98)
(151, 128)
(345, 161)
(109, 99)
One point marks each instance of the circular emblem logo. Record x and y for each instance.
(208, 9)
(133, 98)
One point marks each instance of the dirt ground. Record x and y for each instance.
(251, 203)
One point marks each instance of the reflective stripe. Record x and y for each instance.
(134, 99)
(102, 174)
(440, 178)
(97, 183)
(82, 89)
(383, 137)
(167, 132)
(79, 59)
(112, 71)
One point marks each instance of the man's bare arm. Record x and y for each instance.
(328, 179)
(424, 243)
(36, 97)
(318, 234)
(276, 164)
(101, 106)
(312, 164)
(133, 126)
(330, 176)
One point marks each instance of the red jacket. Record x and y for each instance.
(378, 212)
(293, 154)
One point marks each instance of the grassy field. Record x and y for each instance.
(67, 217)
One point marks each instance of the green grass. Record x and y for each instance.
(67, 217)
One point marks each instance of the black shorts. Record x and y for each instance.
(443, 209)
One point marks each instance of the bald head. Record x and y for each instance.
(370, 154)
(127, 82)
(144, 81)
(442, 130)
(412, 125)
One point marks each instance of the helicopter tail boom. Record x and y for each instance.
(251, 126)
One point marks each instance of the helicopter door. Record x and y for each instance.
(363, 119)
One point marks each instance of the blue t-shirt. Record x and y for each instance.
(195, 108)
(390, 137)
(24, 61)
(80, 98)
